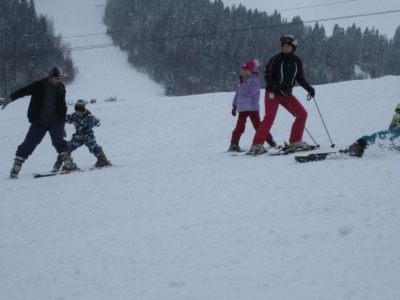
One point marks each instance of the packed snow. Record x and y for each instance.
(178, 217)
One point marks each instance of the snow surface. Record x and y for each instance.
(313, 10)
(178, 218)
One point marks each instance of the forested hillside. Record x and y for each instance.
(193, 47)
(29, 47)
(197, 46)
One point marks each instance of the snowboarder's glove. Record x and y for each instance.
(234, 110)
(5, 102)
(89, 125)
(277, 90)
(241, 79)
(311, 93)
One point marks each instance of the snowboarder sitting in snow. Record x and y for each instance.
(358, 147)
(84, 122)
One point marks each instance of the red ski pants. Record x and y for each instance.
(292, 105)
(241, 125)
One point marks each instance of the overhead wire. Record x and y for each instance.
(214, 19)
(312, 6)
(24, 54)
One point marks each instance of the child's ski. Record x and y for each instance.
(236, 151)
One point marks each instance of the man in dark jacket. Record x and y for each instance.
(281, 74)
(46, 113)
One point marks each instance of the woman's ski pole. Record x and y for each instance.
(309, 98)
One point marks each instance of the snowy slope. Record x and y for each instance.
(179, 218)
(364, 13)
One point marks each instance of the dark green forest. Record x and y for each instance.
(198, 46)
(192, 47)
(29, 47)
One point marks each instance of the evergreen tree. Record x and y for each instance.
(201, 44)
(29, 47)
(393, 57)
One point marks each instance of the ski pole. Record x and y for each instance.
(308, 98)
(311, 136)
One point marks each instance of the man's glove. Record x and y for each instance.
(5, 102)
(234, 110)
(89, 125)
(241, 79)
(277, 90)
(311, 93)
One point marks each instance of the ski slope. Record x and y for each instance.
(178, 218)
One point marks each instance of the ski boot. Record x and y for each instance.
(234, 148)
(272, 143)
(102, 161)
(355, 149)
(257, 150)
(69, 164)
(300, 145)
(58, 164)
(18, 161)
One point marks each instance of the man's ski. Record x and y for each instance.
(313, 157)
(48, 174)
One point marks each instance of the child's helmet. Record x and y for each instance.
(80, 105)
(397, 109)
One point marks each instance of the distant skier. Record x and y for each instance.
(281, 73)
(247, 103)
(358, 147)
(46, 113)
(84, 122)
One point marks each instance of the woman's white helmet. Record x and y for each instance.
(289, 40)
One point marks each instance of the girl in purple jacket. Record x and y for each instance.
(247, 103)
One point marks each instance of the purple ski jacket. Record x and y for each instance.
(247, 97)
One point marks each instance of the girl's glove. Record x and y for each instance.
(241, 79)
(234, 110)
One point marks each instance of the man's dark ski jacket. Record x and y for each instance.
(37, 92)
